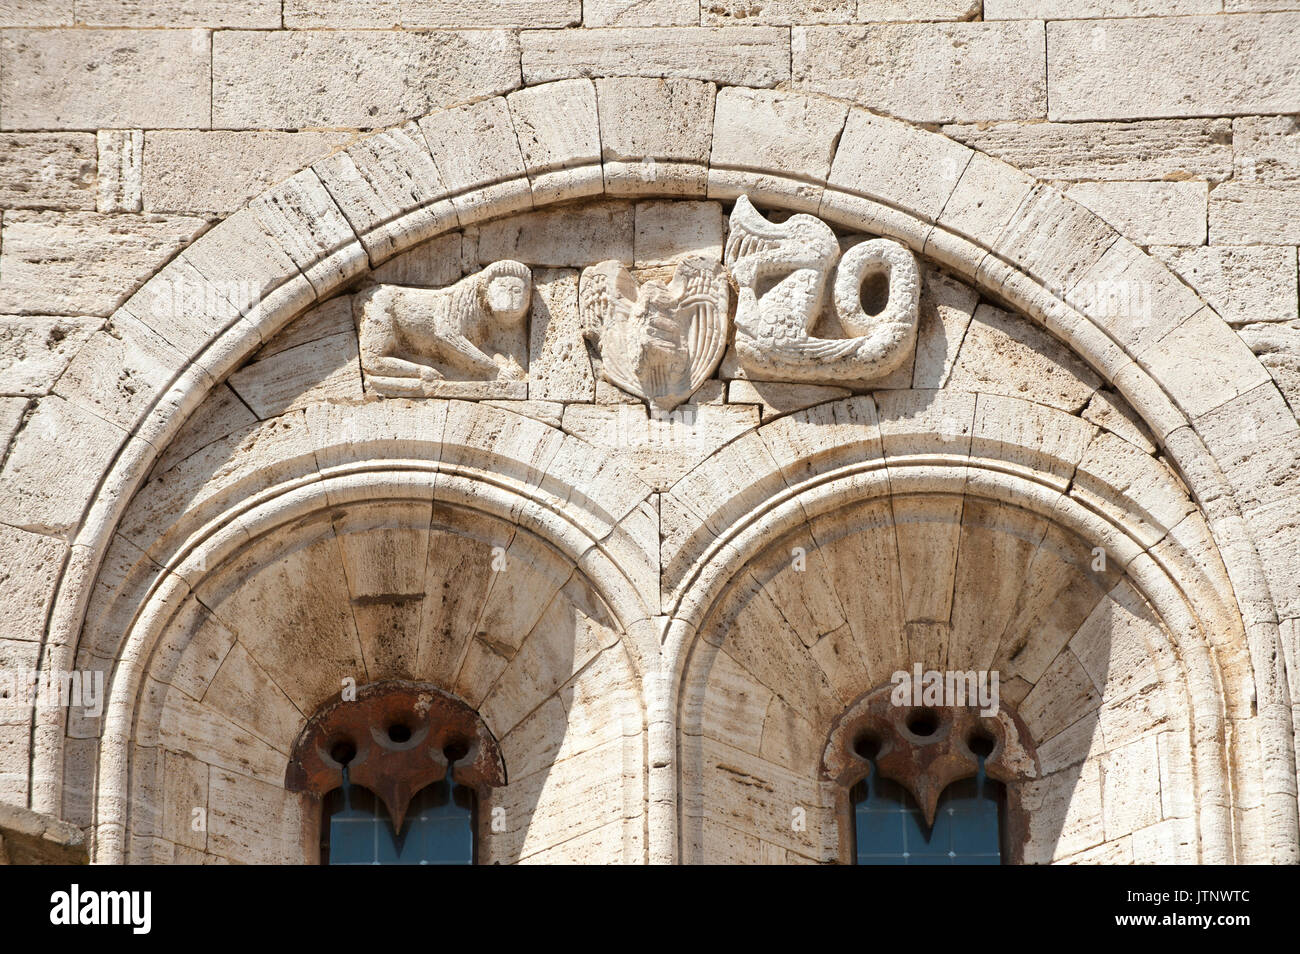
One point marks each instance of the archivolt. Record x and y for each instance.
(305, 239)
(807, 469)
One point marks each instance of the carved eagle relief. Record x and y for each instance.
(782, 271)
(658, 341)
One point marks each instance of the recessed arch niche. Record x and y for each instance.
(658, 552)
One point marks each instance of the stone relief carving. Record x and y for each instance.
(658, 341)
(782, 271)
(468, 340)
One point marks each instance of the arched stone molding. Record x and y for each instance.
(317, 479)
(1005, 450)
(1181, 367)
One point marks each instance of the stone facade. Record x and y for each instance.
(655, 379)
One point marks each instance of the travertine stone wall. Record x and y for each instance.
(1076, 145)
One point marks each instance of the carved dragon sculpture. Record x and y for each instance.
(782, 271)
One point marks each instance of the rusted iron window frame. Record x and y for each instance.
(393, 765)
(925, 765)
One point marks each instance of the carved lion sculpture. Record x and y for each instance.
(414, 338)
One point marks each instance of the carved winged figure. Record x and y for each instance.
(782, 271)
(658, 341)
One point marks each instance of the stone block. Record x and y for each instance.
(560, 368)
(1165, 67)
(1243, 284)
(894, 163)
(666, 232)
(120, 157)
(1170, 149)
(559, 137)
(571, 238)
(47, 171)
(301, 79)
(742, 56)
(249, 14)
(174, 65)
(1149, 213)
(477, 154)
(217, 172)
(929, 73)
(83, 263)
(773, 146)
(34, 351)
(634, 13)
(668, 146)
(389, 189)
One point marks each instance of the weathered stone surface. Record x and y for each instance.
(1154, 149)
(217, 172)
(633, 13)
(559, 137)
(1094, 9)
(29, 566)
(777, 12)
(894, 163)
(34, 351)
(1178, 66)
(35, 66)
(477, 153)
(385, 14)
(775, 398)
(47, 171)
(1260, 204)
(669, 144)
(1148, 213)
(1003, 354)
(773, 146)
(36, 13)
(666, 232)
(82, 263)
(942, 73)
(389, 190)
(120, 156)
(558, 239)
(985, 198)
(1243, 284)
(1107, 409)
(179, 13)
(320, 370)
(1205, 362)
(946, 308)
(431, 265)
(664, 447)
(559, 368)
(54, 453)
(308, 224)
(340, 78)
(750, 56)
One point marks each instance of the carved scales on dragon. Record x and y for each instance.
(782, 271)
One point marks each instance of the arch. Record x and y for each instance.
(805, 468)
(1016, 239)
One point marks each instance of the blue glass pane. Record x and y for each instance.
(890, 829)
(438, 829)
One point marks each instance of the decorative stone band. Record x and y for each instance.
(925, 749)
(395, 738)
